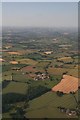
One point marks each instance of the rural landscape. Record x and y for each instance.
(40, 73)
(39, 60)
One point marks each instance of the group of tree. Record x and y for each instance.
(59, 93)
(36, 91)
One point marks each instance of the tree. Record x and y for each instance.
(56, 66)
(19, 113)
(36, 91)
(51, 77)
(73, 93)
(60, 94)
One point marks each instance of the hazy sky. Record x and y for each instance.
(40, 14)
(40, 0)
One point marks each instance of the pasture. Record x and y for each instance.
(15, 87)
(65, 59)
(42, 64)
(46, 106)
(26, 61)
(57, 71)
(61, 71)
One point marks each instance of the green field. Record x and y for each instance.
(15, 87)
(46, 105)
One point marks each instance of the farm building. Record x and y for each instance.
(2, 60)
(9, 46)
(42, 76)
(48, 52)
(15, 68)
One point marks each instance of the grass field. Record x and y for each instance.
(73, 72)
(42, 64)
(57, 71)
(27, 61)
(46, 105)
(60, 71)
(65, 59)
(14, 87)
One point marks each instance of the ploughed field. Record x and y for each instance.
(68, 84)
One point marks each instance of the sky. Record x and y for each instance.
(40, 0)
(40, 14)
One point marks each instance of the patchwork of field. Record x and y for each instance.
(33, 69)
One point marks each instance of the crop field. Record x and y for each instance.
(68, 84)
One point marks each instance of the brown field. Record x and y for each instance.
(14, 53)
(13, 62)
(68, 84)
(32, 75)
(29, 69)
(26, 51)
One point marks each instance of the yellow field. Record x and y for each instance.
(14, 53)
(42, 64)
(27, 61)
(57, 71)
(65, 59)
